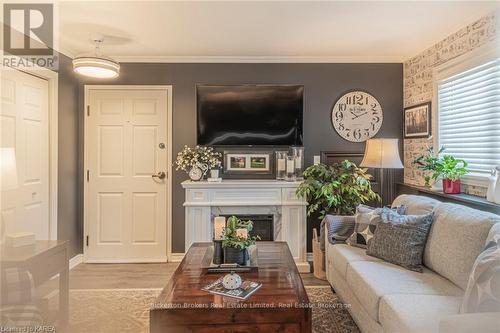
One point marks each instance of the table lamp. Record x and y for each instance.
(8, 179)
(382, 154)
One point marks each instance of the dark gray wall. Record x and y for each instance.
(324, 83)
(69, 224)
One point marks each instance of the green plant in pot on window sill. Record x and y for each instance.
(336, 189)
(236, 240)
(447, 167)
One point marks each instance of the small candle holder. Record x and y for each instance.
(281, 165)
(298, 153)
(218, 252)
(290, 168)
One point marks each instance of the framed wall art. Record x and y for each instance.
(417, 121)
(248, 162)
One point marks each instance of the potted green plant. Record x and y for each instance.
(449, 168)
(429, 162)
(336, 189)
(236, 239)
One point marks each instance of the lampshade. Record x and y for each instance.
(97, 67)
(8, 169)
(382, 153)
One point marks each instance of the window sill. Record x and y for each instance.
(464, 199)
(475, 180)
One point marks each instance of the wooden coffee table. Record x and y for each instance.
(280, 305)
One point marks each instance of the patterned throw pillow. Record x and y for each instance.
(366, 220)
(400, 239)
(483, 289)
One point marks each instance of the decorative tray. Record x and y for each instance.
(210, 267)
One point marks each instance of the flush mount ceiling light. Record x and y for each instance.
(97, 65)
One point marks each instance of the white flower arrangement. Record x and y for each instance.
(189, 157)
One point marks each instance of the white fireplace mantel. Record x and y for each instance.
(204, 200)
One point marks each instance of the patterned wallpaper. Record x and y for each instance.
(418, 82)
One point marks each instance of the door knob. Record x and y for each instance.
(159, 175)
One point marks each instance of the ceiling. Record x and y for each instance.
(262, 31)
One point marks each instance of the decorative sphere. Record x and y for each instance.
(231, 281)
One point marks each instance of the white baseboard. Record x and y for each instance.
(303, 267)
(126, 261)
(75, 261)
(176, 257)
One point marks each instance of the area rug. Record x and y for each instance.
(329, 314)
(127, 310)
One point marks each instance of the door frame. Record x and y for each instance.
(168, 90)
(52, 79)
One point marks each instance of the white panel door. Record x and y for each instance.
(24, 125)
(125, 146)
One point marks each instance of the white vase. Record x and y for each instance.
(214, 173)
(492, 184)
(497, 186)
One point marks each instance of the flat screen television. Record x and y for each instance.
(252, 115)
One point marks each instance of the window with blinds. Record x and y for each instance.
(469, 116)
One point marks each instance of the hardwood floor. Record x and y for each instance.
(137, 276)
(310, 280)
(121, 276)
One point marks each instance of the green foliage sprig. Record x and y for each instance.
(336, 189)
(230, 237)
(446, 166)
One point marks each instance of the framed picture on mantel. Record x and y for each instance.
(248, 163)
(417, 121)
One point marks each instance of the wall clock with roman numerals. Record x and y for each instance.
(357, 116)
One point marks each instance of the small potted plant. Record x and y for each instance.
(429, 162)
(449, 168)
(236, 240)
(197, 161)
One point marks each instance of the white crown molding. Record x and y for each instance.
(259, 59)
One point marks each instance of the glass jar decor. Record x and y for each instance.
(281, 165)
(298, 153)
(290, 168)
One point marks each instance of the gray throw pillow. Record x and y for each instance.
(483, 289)
(365, 223)
(400, 239)
(338, 229)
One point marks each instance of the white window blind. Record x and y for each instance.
(469, 116)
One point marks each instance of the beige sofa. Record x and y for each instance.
(387, 298)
